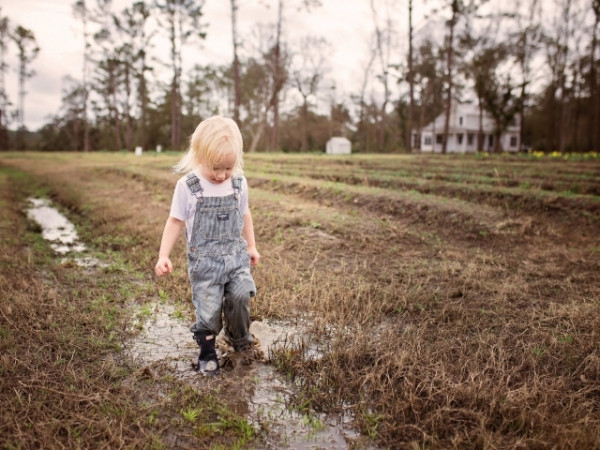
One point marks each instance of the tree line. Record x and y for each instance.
(525, 58)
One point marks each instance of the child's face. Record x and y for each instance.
(221, 170)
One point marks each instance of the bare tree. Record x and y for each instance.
(479, 70)
(4, 35)
(362, 112)
(565, 32)
(72, 118)
(429, 69)
(110, 77)
(257, 83)
(107, 84)
(279, 72)
(493, 64)
(498, 92)
(141, 10)
(359, 100)
(480, 53)
(594, 101)
(527, 39)
(578, 88)
(279, 77)
(207, 91)
(28, 51)
(307, 75)
(383, 47)
(183, 24)
(135, 41)
(456, 9)
(411, 81)
(257, 89)
(236, 63)
(81, 12)
(557, 40)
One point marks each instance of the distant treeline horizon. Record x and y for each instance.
(281, 94)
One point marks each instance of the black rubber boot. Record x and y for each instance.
(208, 363)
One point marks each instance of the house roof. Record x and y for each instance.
(470, 114)
(339, 139)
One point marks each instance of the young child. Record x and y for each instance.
(211, 202)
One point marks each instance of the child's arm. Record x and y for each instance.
(172, 231)
(248, 234)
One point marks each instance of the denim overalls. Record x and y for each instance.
(219, 265)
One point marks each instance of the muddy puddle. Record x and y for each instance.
(61, 233)
(263, 395)
(163, 336)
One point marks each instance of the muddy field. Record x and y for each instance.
(437, 302)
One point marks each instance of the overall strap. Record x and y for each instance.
(193, 183)
(236, 182)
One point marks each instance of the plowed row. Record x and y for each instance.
(456, 300)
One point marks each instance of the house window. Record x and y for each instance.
(438, 139)
(490, 140)
(459, 137)
(513, 141)
(460, 120)
(427, 140)
(469, 139)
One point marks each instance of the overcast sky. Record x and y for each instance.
(346, 24)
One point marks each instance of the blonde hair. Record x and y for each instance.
(213, 138)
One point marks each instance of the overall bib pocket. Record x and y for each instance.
(219, 223)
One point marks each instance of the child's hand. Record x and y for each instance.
(254, 256)
(163, 266)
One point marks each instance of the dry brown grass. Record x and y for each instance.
(453, 340)
(63, 380)
(443, 324)
(60, 387)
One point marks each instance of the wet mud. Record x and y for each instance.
(163, 337)
(263, 396)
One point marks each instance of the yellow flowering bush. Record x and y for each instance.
(565, 156)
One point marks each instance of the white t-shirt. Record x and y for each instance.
(183, 206)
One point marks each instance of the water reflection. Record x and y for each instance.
(56, 228)
(263, 394)
(61, 233)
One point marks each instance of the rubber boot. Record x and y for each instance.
(208, 364)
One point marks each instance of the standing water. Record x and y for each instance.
(165, 338)
(264, 395)
(57, 229)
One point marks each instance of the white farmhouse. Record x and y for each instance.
(463, 131)
(338, 146)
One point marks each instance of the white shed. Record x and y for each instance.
(338, 146)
